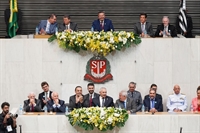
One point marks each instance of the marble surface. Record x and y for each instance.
(25, 63)
(147, 123)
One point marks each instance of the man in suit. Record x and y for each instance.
(188, 32)
(48, 26)
(32, 104)
(45, 95)
(165, 29)
(154, 87)
(7, 17)
(102, 23)
(88, 97)
(126, 103)
(67, 25)
(7, 122)
(103, 100)
(143, 28)
(135, 95)
(77, 100)
(153, 103)
(56, 105)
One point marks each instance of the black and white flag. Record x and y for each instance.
(182, 16)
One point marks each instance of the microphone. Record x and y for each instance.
(20, 128)
(180, 129)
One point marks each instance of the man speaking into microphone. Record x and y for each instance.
(7, 120)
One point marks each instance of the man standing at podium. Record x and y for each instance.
(48, 26)
(102, 23)
(136, 95)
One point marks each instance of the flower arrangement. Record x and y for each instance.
(101, 43)
(102, 118)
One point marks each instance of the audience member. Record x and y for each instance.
(32, 104)
(136, 95)
(196, 101)
(143, 28)
(166, 29)
(103, 100)
(177, 101)
(102, 23)
(126, 103)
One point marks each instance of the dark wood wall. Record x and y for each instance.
(123, 13)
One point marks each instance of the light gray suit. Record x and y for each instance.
(73, 26)
(148, 27)
(137, 98)
(130, 105)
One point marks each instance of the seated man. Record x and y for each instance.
(77, 100)
(143, 27)
(165, 29)
(126, 103)
(67, 24)
(177, 102)
(48, 26)
(153, 103)
(154, 87)
(103, 100)
(56, 105)
(32, 104)
(102, 23)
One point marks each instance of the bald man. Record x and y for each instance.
(56, 105)
(177, 101)
(166, 29)
(32, 104)
(103, 100)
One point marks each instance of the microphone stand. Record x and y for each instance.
(181, 129)
(20, 128)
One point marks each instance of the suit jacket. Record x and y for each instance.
(73, 26)
(108, 102)
(43, 25)
(148, 27)
(87, 99)
(171, 28)
(158, 96)
(37, 107)
(73, 104)
(41, 97)
(130, 105)
(50, 107)
(189, 27)
(107, 25)
(157, 105)
(194, 104)
(137, 98)
(19, 20)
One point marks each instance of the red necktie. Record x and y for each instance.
(90, 100)
(32, 108)
(101, 24)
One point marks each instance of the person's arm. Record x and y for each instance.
(38, 106)
(3, 123)
(140, 104)
(158, 31)
(26, 106)
(71, 104)
(111, 26)
(62, 106)
(150, 32)
(169, 106)
(160, 107)
(133, 107)
(76, 27)
(135, 29)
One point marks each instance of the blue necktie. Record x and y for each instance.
(152, 103)
(124, 105)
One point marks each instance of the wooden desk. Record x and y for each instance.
(41, 36)
(39, 113)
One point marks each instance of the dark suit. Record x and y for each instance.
(189, 27)
(158, 96)
(137, 98)
(108, 26)
(37, 107)
(108, 102)
(148, 27)
(130, 105)
(19, 20)
(41, 97)
(157, 104)
(73, 104)
(87, 99)
(50, 107)
(171, 29)
(43, 25)
(73, 26)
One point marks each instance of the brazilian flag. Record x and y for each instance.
(13, 25)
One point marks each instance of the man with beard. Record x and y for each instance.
(7, 122)
(88, 97)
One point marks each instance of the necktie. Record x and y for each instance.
(124, 105)
(90, 100)
(132, 94)
(143, 29)
(152, 103)
(101, 24)
(45, 96)
(103, 102)
(32, 108)
(47, 28)
(165, 28)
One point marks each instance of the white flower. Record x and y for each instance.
(111, 40)
(110, 120)
(128, 34)
(120, 39)
(124, 40)
(98, 37)
(116, 114)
